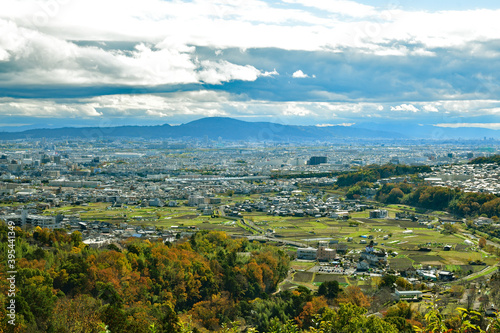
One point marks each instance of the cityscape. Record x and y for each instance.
(262, 166)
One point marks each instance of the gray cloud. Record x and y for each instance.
(290, 60)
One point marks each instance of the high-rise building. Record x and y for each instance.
(316, 160)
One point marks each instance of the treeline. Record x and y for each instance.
(62, 283)
(486, 160)
(458, 202)
(331, 174)
(372, 173)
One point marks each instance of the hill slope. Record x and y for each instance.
(213, 128)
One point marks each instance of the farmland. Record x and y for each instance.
(402, 238)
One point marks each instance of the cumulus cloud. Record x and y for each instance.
(290, 24)
(37, 58)
(294, 109)
(299, 74)
(430, 108)
(189, 105)
(218, 72)
(350, 108)
(405, 107)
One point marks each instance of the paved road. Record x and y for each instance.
(475, 238)
(252, 225)
(333, 270)
(471, 276)
(203, 179)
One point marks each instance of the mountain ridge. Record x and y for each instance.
(211, 127)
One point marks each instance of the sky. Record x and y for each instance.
(301, 62)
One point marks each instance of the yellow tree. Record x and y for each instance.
(354, 295)
(482, 242)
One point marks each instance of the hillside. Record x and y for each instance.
(213, 128)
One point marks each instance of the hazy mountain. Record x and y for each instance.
(213, 128)
(233, 129)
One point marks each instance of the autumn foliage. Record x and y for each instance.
(65, 286)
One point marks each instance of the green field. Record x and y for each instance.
(149, 216)
(301, 265)
(307, 230)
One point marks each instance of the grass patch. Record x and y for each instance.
(301, 265)
(483, 273)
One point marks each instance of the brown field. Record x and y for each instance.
(400, 263)
(302, 276)
(187, 217)
(329, 277)
(406, 224)
(426, 258)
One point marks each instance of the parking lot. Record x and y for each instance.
(333, 269)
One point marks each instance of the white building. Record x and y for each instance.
(408, 295)
(307, 253)
(195, 200)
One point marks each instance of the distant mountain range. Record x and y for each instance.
(233, 129)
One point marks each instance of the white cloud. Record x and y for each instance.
(272, 73)
(405, 107)
(4, 55)
(40, 45)
(430, 108)
(220, 103)
(470, 107)
(155, 113)
(253, 23)
(494, 126)
(348, 108)
(109, 106)
(330, 125)
(299, 74)
(45, 109)
(294, 109)
(44, 59)
(218, 72)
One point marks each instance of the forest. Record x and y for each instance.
(485, 160)
(455, 201)
(205, 283)
(372, 173)
(369, 173)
